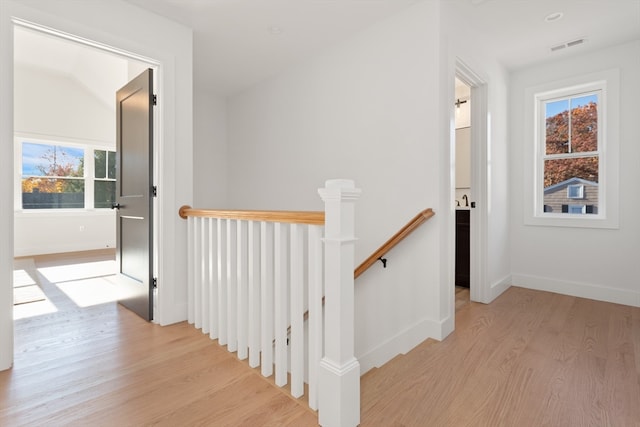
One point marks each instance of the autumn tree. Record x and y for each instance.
(577, 133)
(57, 163)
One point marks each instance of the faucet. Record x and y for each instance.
(466, 200)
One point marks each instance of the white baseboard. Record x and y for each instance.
(177, 313)
(498, 288)
(402, 343)
(577, 289)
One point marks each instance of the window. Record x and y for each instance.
(572, 177)
(575, 191)
(571, 149)
(64, 176)
(52, 176)
(104, 178)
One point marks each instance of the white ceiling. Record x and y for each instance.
(238, 43)
(234, 48)
(99, 72)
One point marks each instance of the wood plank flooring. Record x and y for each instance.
(103, 366)
(528, 359)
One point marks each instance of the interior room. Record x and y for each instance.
(482, 127)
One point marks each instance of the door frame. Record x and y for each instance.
(130, 29)
(480, 290)
(157, 114)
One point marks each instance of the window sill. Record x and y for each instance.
(572, 221)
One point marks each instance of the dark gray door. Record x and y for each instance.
(134, 198)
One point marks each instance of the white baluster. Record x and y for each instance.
(212, 278)
(280, 302)
(253, 239)
(242, 286)
(339, 403)
(204, 269)
(222, 280)
(232, 290)
(315, 320)
(266, 297)
(197, 283)
(297, 282)
(190, 272)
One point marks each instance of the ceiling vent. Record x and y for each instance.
(572, 43)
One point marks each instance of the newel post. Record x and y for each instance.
(339, 374)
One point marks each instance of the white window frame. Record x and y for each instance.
(607, 83)
(89, 171)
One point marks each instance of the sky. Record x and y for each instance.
(33, 155)
(560, 106)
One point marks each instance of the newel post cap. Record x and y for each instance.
(340, 189)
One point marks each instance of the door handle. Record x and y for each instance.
(115, 206)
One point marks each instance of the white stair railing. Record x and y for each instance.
(255, 276)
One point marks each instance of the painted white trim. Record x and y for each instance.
(578, 289)
(404, 342)
(499, 287)
(480, 289)
(6, 188)
(608, 82)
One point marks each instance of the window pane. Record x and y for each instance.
(557, 127)
(51, 160)
(100, 162)
(52, 193)
(584, 124)
(111, 165)
(562, 177)
(104, 193)
(559, 170)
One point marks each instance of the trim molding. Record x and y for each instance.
(578, 289)
(499, 287)
(402, 343)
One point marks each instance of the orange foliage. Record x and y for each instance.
(584, 138)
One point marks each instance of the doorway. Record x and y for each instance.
(463, 187)
(64, 102)
(474, 206)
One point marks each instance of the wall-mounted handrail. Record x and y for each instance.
(394, 240)
(291, 217)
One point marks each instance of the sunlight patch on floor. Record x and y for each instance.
(89, 292)
(38, 308)
(22, 278)
(84, 270)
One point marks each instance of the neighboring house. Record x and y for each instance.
(575, 195)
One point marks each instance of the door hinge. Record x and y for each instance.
(155, 283)
(154, 191)
(155, 99)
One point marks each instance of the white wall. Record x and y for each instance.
(592, 263)
(365, 110)
(119, 24)
(209, 151)
(55, 106)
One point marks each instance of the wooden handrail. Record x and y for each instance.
(292, 217)
(393, 241)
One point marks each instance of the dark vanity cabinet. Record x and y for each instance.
(463, 259)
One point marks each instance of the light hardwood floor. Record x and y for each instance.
(528, 359)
